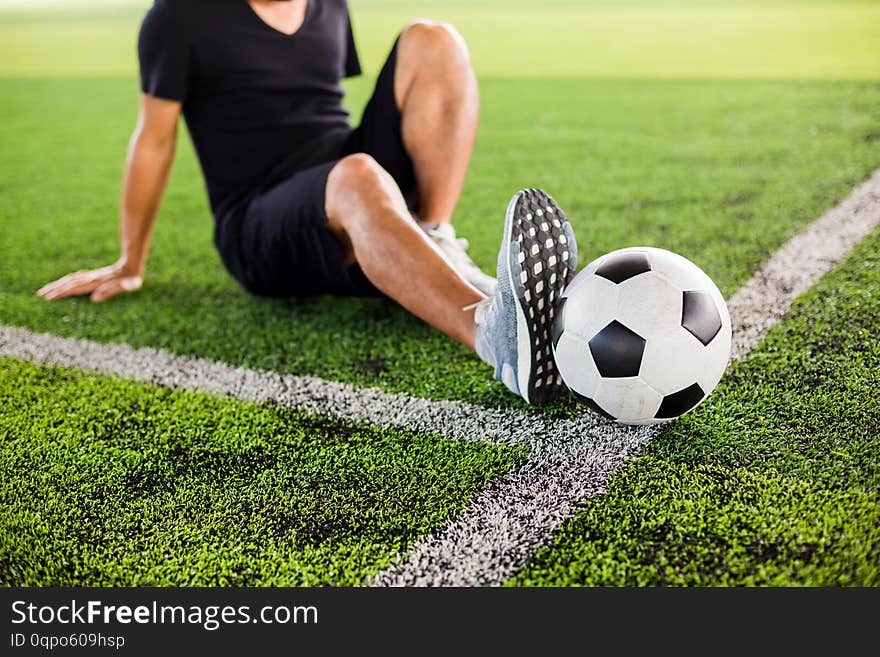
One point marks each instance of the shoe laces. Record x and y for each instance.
(484, 310)
(453, 246)
(481, 309)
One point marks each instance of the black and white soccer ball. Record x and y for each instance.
(641, 335)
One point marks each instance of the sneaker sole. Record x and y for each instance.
(542, 262)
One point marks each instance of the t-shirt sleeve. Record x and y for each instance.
(352, 62)
(164, 55)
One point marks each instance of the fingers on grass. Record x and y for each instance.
(79, 282)
(51, 289)
(68, 288)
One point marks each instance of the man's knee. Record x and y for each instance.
(433, 37)
(357, 179)
(357, 171)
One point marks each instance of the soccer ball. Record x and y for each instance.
(641, 335)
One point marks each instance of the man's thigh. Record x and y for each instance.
(379, 133)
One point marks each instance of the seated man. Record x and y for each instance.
(304, 204)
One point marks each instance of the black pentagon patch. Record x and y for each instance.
(700, 316)
(558, 325)
(593, 406)
(679, 403)
(617, 351)
(620, 268)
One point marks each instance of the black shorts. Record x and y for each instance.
(283, 247)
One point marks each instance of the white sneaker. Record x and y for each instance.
(455, 249)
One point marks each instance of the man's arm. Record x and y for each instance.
(150, 154)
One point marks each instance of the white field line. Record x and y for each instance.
(800, 262)
(451, 419)
(570, 460)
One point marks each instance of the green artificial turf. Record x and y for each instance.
(708, 169)
(109, 482)
(774, 480)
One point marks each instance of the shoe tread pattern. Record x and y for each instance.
(545, 262)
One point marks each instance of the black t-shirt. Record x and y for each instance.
(259, 104)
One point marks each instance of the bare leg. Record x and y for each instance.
(436, 91)
(368, 216)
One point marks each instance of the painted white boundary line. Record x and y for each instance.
(456, 420)
(800, 262)
(571, 460)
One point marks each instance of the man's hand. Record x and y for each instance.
(150, 154)
(101, 284)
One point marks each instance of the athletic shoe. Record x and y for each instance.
(538, 258)
(455, 250)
